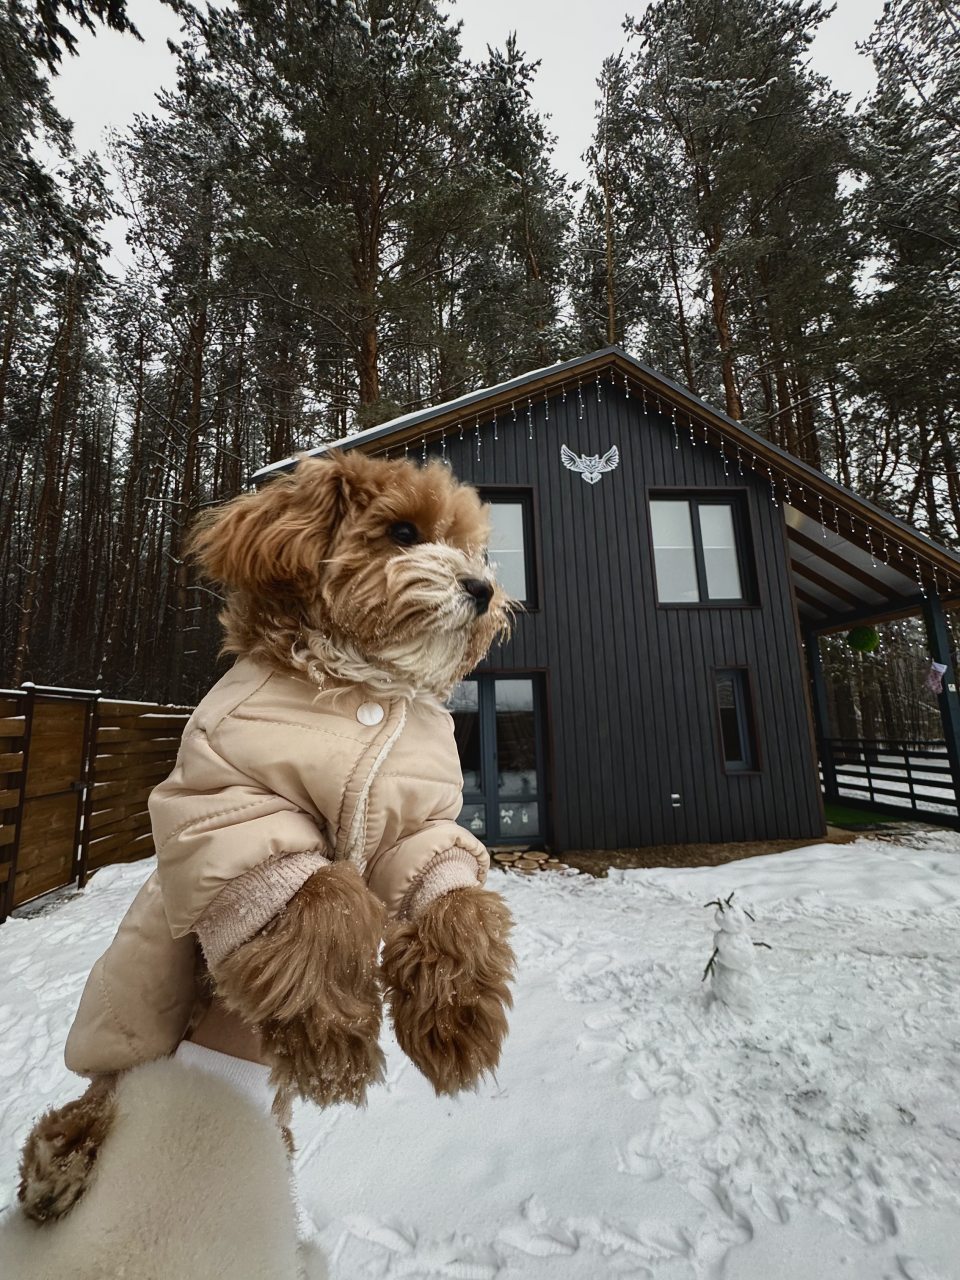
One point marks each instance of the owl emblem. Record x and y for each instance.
(590, 468)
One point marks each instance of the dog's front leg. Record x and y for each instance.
(446, 971)
(308, 983)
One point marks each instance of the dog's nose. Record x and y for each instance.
(481, 591)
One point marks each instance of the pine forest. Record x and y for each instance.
(336, 217)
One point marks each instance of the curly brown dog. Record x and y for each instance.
(312, 813)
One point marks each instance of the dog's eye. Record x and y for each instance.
(404, 534)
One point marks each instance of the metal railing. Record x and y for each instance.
(908, 776)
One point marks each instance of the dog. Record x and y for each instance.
(311, 814)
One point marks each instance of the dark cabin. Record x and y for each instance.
(672, 565)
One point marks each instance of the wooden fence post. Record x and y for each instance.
(85, 807)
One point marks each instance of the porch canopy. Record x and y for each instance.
(850, 562)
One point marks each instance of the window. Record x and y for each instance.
(511, 542)
(699, 550)
(737, 739)
(464, 706)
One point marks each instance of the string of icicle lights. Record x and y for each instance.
(484, 431)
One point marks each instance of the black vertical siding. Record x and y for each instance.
(629, 684)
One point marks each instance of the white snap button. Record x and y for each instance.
(370, 713)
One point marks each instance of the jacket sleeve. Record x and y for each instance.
(230, 853)
(438, 858)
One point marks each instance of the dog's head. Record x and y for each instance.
(350, 555)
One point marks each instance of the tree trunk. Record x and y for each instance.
(718, 301)
(683, 329)
(46, 523)
(609, 248)
(367, 273)
(6, 352)
(186, 494)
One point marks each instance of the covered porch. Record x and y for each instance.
(904, 764)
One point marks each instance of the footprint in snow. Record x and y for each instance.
(434, 1263)
(686, 1117)
(536, 1236)
(636, 1159)
(772, 1207)
(605, 1020)
(917, 1269)
(18, 965)
(726, 1225)
(538, 1244)
(593, 963)
(9, 1017)
(412, 1256)
(670, 1248)
(395, 1239)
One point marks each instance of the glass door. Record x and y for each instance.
(464, 706)
(498, 732)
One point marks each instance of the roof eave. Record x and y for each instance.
(409, 426)
(401, 431)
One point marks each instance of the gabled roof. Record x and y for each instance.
(878, 566)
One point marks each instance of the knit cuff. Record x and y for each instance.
(453, 869)
(245, 905)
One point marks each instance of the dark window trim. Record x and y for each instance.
(527, 498)
(738, 500)
(746, 715)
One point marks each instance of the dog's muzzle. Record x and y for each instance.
(482, 593)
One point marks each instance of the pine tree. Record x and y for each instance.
(45, 34)
(347, 156)
(606, 287)
(909, 323)
(514, 246)
(30, 196)
(634, 274)
(722, 167)
(58, 368)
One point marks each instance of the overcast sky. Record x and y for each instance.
(114, 77)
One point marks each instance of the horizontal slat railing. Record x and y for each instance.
(900, 775)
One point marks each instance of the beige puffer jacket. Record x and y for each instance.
(273, 778)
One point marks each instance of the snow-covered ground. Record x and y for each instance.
(633, 1131)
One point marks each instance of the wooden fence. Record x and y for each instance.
(75, 773)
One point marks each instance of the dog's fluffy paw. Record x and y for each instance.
(61, 1150)
(309, 984)
(446, 975)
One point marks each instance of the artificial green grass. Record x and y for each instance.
(842, 815)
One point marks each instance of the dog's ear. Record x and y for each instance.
(279, 536)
